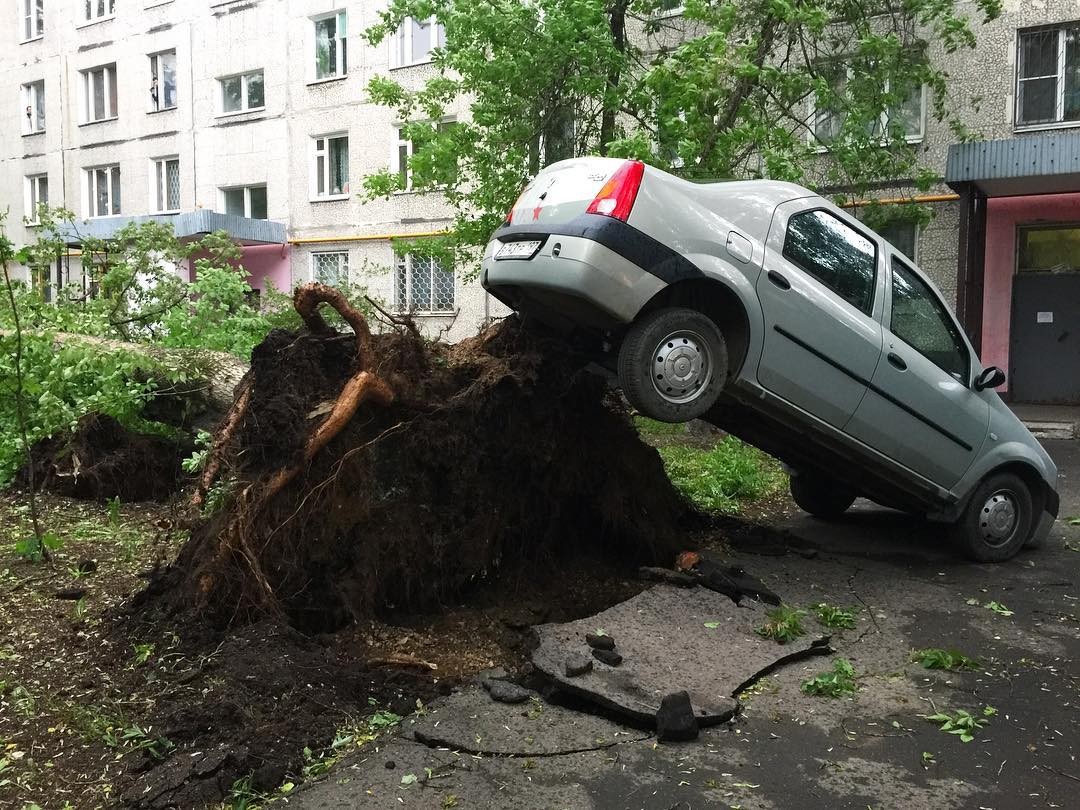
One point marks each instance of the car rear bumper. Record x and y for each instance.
(572, 280)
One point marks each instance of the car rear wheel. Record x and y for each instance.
(997, 521)
(821, 496)
(673, 364)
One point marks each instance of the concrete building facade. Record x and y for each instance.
(257, 109)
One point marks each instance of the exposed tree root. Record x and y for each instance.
(221, 443)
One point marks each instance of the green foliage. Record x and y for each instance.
(962, 723)
(35, 549)
(998, 608)
(837, 682)
(651, 427)
(834, 617)
(936, 658)
(550, 79)
(783, 624)
(719, 478)
(197, 460)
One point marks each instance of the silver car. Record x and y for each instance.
(765, 309)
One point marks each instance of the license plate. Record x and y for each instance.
(518, 250)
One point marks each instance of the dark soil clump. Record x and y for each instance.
(498, 455)
(102, 459)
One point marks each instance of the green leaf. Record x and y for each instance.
(712, 625)
(408, 779)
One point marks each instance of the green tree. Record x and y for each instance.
(723, 91)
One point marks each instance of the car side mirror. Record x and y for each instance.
(989, 378)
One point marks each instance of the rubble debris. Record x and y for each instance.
(507, 692)
(600, 641)
(577, 664)
(675, 720)
(609, 657)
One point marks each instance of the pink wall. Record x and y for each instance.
(1003, 214)
(263, 262)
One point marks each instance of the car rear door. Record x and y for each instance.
(821, 299)
(920, 409)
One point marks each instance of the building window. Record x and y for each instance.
(33, 19)
(330, 268)
(1048, 249)
(331, 57)
(167, 185)
(163, 81)
(330, 168)
(37, 193)
(415, 41)
(243, 92)
(245, 201)
(103, 191)
(908, 114)
(34, 103)
(902, 235)
(99, 97)
(404, 150)
(669, 8)
(835, 254)
(1048, 76)
(99, 9)
(423, 285)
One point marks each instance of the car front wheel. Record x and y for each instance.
(820, 495)
(673, 364)
(997, 521)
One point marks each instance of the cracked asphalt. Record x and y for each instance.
(786, 749)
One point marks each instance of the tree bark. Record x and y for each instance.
(617, 20)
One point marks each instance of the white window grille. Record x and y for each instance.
(331, 268)
(415, 41)
(423, 285)
(103, 191)
(33, 19)
(167, 185)
(99, 96)
(331, 54)
(98, 9)
(163, 81)
(330, 166)
(245, 201)
(37, 193)
(34, 102)
(243, 92)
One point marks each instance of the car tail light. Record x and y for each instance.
(617, 196)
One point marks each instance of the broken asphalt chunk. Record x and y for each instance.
(506, 692)
(577, 664)
(609, 657)
(667, 575)
(599, 641)
(675, 720)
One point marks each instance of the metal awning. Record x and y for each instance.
(191, 224)
(1047, 163)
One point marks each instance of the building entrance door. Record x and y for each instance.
(1044, 351)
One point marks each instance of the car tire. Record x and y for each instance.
(821, 496)
(673, 364)
(997, 521)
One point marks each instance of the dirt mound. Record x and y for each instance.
(102, 459)
(387, 471)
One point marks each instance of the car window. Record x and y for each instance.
(920, 320)
(835, 254)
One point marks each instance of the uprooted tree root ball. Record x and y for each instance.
(370, 471)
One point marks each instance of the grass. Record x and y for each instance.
(837, 682)
(719, 478)
(651, 427)
(834, 617)
(783, 624)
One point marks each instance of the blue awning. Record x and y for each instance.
(191, 224)
(1046, 163)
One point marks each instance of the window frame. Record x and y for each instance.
(821, 145)
(109, 89)
(247, 199)
(344, 194)
(33, 97)
(89, 17)
(32, 196)
(341, 59)
(343, 255)
(245, 83)
(159, 185)
(868, 311)
(157, 85)
(403, 269)
(918, 232)
(942, 310)
(1059, 122)
(113, 186)
(33, 19)
(401, 43)
(410, 149)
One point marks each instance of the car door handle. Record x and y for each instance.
(779, 280)
(897, 361)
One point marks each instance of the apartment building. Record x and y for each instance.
(243, 115)
(250, 115)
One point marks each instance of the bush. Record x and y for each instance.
(719, 478)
